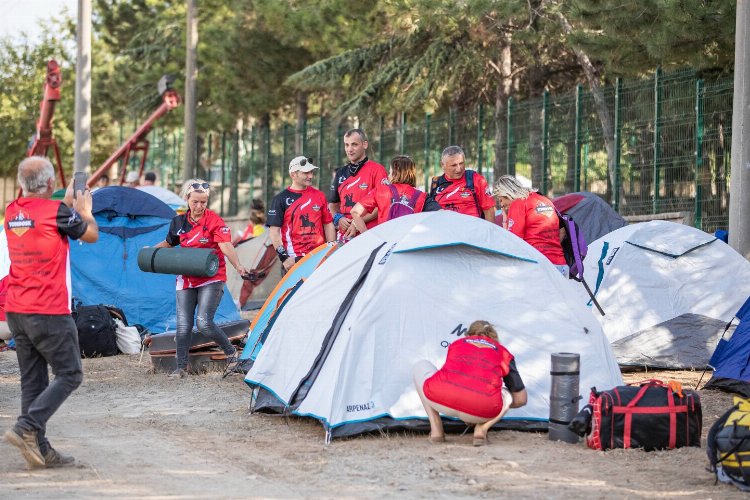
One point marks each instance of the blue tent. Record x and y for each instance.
(731, 359)
(106, 272)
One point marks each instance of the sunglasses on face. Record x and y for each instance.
(200, 185)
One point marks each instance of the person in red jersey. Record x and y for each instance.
(478, 383)
(352, 182)
(199, 297)
(38, 303)
(532, 217)
(298, 218)
(402, 178)
(461, 190)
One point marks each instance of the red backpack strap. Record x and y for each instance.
(434, 185)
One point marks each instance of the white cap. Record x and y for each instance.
(132, 177)
(301, 164)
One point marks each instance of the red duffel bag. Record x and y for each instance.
(649, 415)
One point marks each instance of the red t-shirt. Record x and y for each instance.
(471, 380)
(353, 182)
(452, 194)
(534, 219)
(208, 232)
(39, 279)
(381, 198)
(301, 216)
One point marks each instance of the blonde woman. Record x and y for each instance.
(531, 217)
(477, 384)
(199, 297)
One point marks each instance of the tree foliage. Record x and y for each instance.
(633, 38)
(358, 57)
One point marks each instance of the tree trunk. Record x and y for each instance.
(502, 94)
(602, 109)
(536, 89)
(300, 127)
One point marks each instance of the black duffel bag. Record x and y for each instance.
(96, 331)
(649, 415)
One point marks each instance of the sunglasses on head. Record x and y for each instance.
(305, 161)
(200, 185)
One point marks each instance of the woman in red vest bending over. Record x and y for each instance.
(531, 217)
(401, 189)
(469, 386)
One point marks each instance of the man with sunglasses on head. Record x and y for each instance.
(199, 297)
(352, 182)
(298, 217)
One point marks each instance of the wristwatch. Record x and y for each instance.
(281, 251)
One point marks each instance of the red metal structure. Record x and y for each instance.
(138, 142)
(44, 138)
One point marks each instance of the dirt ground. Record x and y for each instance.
(142, 435)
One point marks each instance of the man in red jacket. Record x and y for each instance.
(461, 190)
(352, 182)
(298, 218)
(38, 303)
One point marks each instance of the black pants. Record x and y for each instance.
(44, 340)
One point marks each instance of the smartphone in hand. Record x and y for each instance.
(79, 183)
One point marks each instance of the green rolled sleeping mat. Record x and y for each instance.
(199, 262)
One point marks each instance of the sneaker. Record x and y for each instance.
(29, 446)
(53, 458)
(178, 373)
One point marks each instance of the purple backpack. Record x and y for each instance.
(400, 206)
(574, 249)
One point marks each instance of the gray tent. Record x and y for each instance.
(594, 215)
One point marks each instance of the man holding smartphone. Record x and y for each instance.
(38, 303)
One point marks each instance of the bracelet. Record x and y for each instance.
(336, 218)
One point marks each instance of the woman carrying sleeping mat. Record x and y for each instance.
(200, 227)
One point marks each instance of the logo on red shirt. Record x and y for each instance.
(363, 186)
(20, 224)
(482, 344)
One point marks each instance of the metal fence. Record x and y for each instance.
(672, 142)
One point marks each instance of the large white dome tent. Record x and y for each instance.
(343, 347)
(667, 290)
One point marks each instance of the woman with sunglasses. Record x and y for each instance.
(401, 189)
(200, 227)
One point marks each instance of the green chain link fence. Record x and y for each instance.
(671, 137)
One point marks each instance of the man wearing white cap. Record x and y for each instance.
(132, 179)
(298, 217)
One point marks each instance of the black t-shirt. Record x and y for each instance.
(513, 379)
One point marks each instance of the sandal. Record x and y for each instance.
(480, 441)
(437, 439)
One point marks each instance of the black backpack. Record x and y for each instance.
(96, 331)
(469, 176)
(728, 445)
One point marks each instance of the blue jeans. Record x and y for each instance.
(44, 340)
(206, 298)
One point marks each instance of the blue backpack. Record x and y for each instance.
(399, 206)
